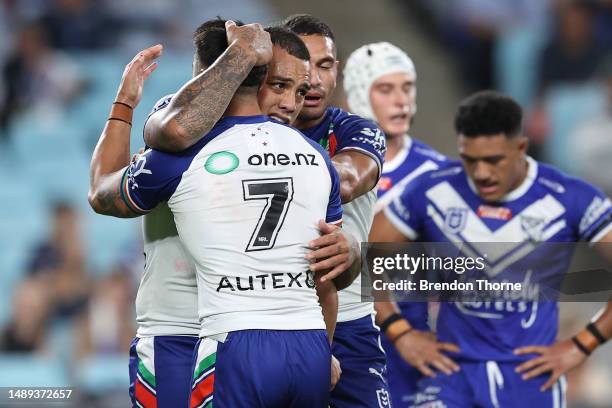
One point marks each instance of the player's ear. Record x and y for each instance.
(523, 144)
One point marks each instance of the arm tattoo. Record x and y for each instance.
(202, 101)
(108, 199)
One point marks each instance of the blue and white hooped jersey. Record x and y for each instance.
(338, 132)
(246, 200)
(549, 206)
(415, 158)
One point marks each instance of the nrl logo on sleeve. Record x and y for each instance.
(221, 162)
(455, 219)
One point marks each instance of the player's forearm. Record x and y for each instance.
(358, 174)
(328, 299)
(385, 307)
(200, 103)
(347, 277)
(597, 332)
(111, 156)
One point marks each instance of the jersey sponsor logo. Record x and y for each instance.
(496, 213)
(595, 210)
(385, 183)
(221, 162)
(281, 159)
(455, 219)
(267, 281)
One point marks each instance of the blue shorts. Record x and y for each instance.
(263, 369)
(363, 381)
(160, 371)
(488, 384)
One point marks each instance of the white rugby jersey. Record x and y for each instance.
(167, 299)
(246, 200)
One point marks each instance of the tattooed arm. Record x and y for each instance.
(200, 103)
(112, 154)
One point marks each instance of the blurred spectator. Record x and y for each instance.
(108, 326)
(571, 56)
(574, 51)
(474, 27)
(61, 258)
(591, 142)
(27, 327)
(36, 77)
(79, 25)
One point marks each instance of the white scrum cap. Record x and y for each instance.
(364, 66)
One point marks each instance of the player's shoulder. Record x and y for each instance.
(161, 103)
(299, 137)
(341, 118)
(424, 150)
(451, 171)
(560, 183)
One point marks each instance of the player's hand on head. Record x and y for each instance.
(557, 359)
(422, 351)
(334, 251)
(253, 39)
(135, 73)
(336, 372)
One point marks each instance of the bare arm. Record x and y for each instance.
(419, 349)
(112, 153)
(200, 103)
(567, 354)
(358, 174)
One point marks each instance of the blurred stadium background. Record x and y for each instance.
(68, 277)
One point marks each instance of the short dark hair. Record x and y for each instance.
(488, 113)
(288, 41)
(305, 24)
(210, 41)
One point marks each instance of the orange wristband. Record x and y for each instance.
(587, 339)
(122, 112)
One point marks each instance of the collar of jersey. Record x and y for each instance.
(532, 173)
(389, 166)
(234, 120)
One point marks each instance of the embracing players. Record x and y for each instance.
(112, 151)
(509, 356)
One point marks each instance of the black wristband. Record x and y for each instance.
(121, 120)
(122, 103)
(581, 346)
(596, 333)
(389, 321)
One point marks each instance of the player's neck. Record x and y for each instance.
(522, 176)
(394, 145)
(308, 123)
(243, 104)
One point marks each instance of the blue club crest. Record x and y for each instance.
(455, 219)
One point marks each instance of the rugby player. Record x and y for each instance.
(509, 357)
(165, 254)
(357, 148)
(380, 84)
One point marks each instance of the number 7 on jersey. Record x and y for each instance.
(278, 194)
